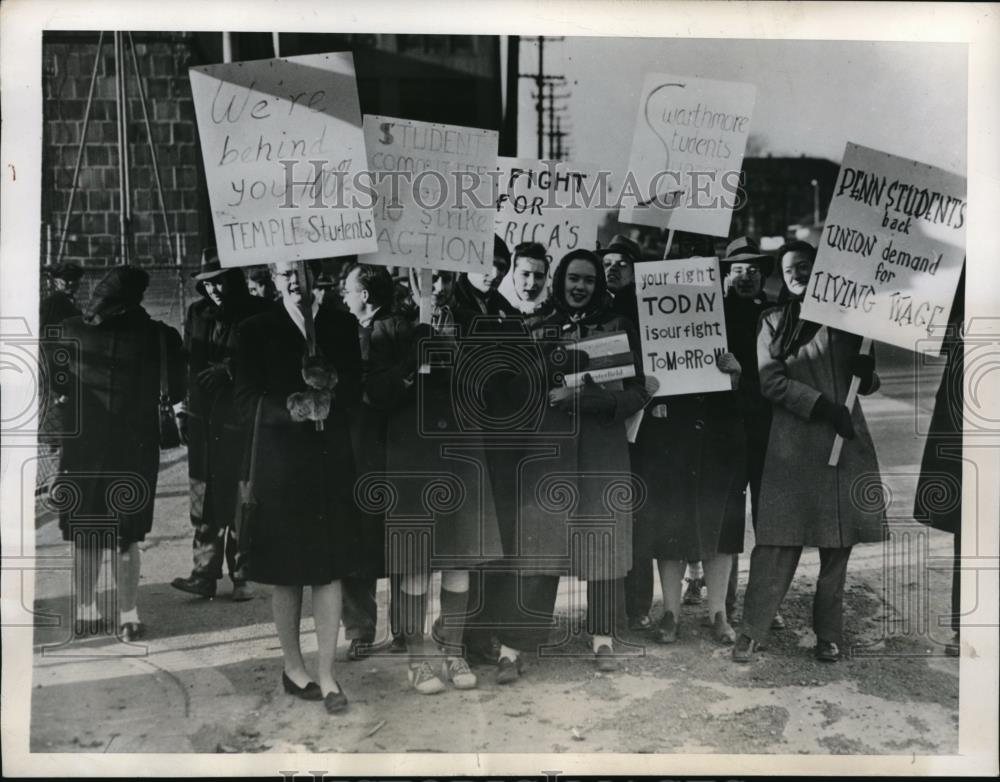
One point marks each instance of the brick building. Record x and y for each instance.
(452, 79)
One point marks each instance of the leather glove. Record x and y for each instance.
(863, 367)
(213, 378)
(838, 416)
(595, 400)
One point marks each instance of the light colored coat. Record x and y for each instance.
(805, 502)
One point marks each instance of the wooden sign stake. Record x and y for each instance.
(852, 395)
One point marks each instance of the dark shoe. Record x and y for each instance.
(666, 630)
(744, 649)
(606, 661)
(778, 623)
(641, 624)
(360, 648)
(482, 655)
(509, 671)
(335, 702)
(242, 591)
(722, 630)
(398, 645)
(194, 585)
(827, 651)
(692, 595)
(311, 692)
(954, 647)
(131, 631)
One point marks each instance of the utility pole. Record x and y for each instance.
(540, 79)
(554, 132)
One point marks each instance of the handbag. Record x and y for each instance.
(246, 505)
(170, 437)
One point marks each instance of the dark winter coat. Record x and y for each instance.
(307, 530)
(938, 499)
(216, 434)
(435, 462)
(55, 308)
(113, 462)
(574, 490)
(804, 502)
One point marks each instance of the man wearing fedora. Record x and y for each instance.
(211, 425)
(744, 271)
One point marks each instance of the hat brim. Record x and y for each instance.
(765, 261)
(619, 249)
(202, 276)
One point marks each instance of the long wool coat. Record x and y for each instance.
(574, 490)
(110, 468)
(804, 502)
(306, 530)
(216, 435)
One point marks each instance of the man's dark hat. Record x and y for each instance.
(324, 280)
(745, 250)
(622, 244)
(210, 265)
(66, 271)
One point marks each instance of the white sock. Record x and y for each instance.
(601, 640)
(87, 612)
(130, 616)
(510, 654)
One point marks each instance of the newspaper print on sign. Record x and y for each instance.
(891, 251)
(283, 150)
(682, 324)
(544, 201)
(434, 188)
(687, 153)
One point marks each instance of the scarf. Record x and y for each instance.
(792, 332)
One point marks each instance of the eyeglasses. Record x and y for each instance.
(621, 263)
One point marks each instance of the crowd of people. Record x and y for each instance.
(333, 440)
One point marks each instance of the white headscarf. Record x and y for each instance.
(524, 306)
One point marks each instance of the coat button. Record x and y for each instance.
(699, 424)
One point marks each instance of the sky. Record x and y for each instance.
(908, 99)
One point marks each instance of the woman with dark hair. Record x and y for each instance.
(805, 371)
(297, 380)
(260, 284)
(585, 468)
(110, 468)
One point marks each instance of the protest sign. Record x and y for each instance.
(434, 188)
(283, 151)
(687, 153)
(544, 201)
(682, 325)
(891, 251)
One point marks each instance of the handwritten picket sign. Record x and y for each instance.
(891, 251)
(682, 325)
(687, 153)
(546, 201)
(284, 155)
(435, 194)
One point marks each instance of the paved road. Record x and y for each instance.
(206, 679)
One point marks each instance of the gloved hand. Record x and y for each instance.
(182, 425)
(838, 416)
(729, 364)
(214, 378)
(595, 400)
(863, 367)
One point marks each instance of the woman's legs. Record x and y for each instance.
(412, 614)
(454, 607)
(671, 578)
(327, 602)
(601, 596)
(717, 571)
(129, 565)
(286, 605)
(86, 572)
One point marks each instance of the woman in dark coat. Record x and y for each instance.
(938, 500)
(692, 457)
(574, 503)
(110, 468)
(305, 531)
(805, 370)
